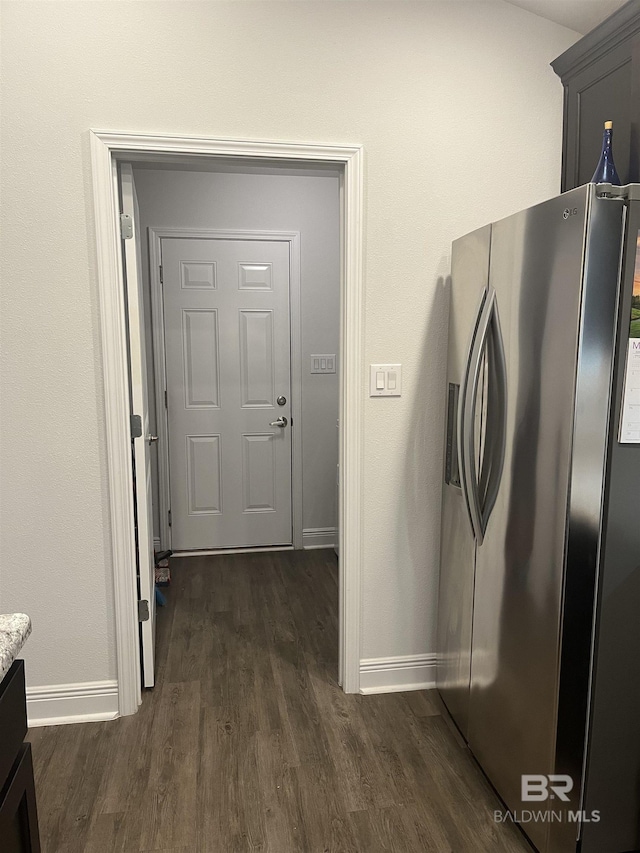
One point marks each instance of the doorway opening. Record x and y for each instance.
(109, 149)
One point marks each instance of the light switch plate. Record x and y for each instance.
(323, 363)
(385, 380)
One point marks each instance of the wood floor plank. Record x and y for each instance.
(216, 785)
(64, 812)
(298, 705)
(362, 776)
(95, 754)
(421, 703)
(387, 829)
(326, 822)
(438, 812)
(108, 832)
(125, 784)
(168, 815)
(283, 819)
(217, 666)
(248, 744)
(376, 714)
(460, 780)
(265, 698)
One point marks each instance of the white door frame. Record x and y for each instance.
(106, 148)
(157, 312)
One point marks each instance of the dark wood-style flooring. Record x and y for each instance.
(248, 744)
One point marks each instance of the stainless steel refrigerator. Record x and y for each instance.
(539, 602)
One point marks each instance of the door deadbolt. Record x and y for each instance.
(281, 400)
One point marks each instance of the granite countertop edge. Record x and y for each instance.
(14, 630)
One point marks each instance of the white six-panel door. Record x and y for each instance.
(227, 351)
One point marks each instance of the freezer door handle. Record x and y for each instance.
(496, 422)
(467, 414)
(481, 487)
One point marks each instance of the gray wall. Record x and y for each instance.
(283, 201)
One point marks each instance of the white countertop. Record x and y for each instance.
(14, 630)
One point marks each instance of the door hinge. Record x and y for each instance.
(169, 514)
(161, 279)
(136, 426)
(126, 226)
(166, 404)
(143, 610)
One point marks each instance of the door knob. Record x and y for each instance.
(281, 422)
(152, 438)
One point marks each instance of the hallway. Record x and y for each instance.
(248, 744)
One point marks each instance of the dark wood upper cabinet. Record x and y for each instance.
(601, 79)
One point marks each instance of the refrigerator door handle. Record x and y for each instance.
(467, 414)
(496, 427)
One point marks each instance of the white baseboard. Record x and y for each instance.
(395, 675)
(319, 537)
(57, 704)
(156, 543)
(219, 552)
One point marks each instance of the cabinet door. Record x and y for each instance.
(601, 78)
(18, 816)
(600, 93)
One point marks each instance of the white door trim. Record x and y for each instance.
(107, 146)
(157, 309)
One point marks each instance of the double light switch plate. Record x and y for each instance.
(385, 380)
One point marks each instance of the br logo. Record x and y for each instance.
(538, 787)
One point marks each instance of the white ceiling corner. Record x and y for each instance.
(579, 15)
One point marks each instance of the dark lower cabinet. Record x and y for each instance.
(18, 814)
(601, 79)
